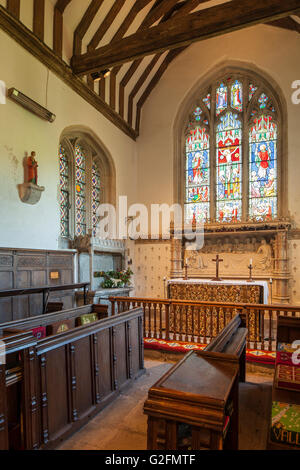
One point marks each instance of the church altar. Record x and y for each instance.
(238, 291)
(232, 291)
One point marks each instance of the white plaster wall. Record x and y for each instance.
(26, 226)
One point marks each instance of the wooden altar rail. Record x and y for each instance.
(200, 322)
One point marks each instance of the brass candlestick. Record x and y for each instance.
(250, 267)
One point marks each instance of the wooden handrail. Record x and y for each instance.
(45, 290)
(201, 321)
(279, 307)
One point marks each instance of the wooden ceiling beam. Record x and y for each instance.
(84, 24)
(13, 6)
(139, 84)
(106, 23)
(59, 9)
(177, 10)
(185, 9)
(137, 7)
(180, 32)
(286, 23)
(39, 18)
(163, 67)
(61, 5)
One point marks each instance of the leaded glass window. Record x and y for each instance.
(64, 192)
(80, 191)
(197, 175)
(96, 192)
(263, 169)
(229, 169)
(238, 118)
(80, 188)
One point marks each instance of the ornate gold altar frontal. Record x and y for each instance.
(209, 321)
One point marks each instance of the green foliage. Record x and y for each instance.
(114, 279)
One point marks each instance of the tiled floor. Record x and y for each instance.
(108, 432)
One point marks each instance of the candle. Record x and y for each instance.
(251, 260)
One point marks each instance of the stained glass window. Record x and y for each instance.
(219, 189)
(206, 100)
(237, 96)
(197, 114)
(197, 176)
(80, 191)
(263, 169)
(222, 98)
(96, 188)
(263, 101)
(252, 90)
(64, 192)
(229, 169)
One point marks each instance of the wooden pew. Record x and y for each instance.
(55, 317)
(45, 292)
(195, 405)
(69, 377)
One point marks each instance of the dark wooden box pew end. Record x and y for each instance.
(195, 406)
(51, 387)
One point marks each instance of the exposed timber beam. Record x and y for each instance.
(176, 11)
(181, 32)
(286, 23)
(84, 24)
(39, 18)
(161, 70)
(13, 6)
(59, 9)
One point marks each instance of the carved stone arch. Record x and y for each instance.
(102, 157)
(95, 151)
(264, 82)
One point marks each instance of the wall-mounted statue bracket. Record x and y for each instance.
(30, 192)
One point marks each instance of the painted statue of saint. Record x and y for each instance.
(32, 167)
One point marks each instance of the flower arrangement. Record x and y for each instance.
(114, 279)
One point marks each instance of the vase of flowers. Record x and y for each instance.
(114, 279)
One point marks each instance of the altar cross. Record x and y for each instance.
(217, 261)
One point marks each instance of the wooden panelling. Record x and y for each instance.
(120, 354)
(84, 376)
(67, 378)
(105, 363)
(31, 268)
(3, 420)
(56, 417)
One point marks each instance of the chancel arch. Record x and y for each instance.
(87, 179)
(230, 152)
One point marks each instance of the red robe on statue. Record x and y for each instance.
(32, 167)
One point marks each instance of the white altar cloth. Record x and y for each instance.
(235, 282)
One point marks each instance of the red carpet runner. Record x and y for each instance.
(253, 355)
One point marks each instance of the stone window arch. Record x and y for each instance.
(87, 179)
(230, 149)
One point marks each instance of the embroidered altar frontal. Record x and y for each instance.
(209, 322)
